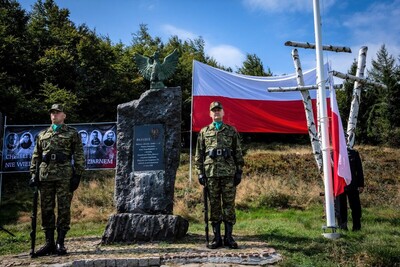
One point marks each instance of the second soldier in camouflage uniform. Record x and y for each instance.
(56, 148)
(219, 158)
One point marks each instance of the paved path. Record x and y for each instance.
(190, 252)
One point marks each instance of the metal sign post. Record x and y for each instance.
(1, 167)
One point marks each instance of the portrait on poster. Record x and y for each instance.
(12, 141)
(109, 138)
(26, 141)
(84, 137)
(95, 138)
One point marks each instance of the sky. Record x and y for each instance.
(232, 29)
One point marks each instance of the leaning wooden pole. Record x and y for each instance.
(300, 88)
(324, 47)
(312, 131)
(355, 102)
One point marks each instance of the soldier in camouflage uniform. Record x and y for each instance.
(219, 159)
(59, 152)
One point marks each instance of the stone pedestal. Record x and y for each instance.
(129, 228)
(144, 199)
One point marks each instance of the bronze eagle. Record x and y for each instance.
(153, 70)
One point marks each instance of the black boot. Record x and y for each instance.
(228, 239)
(217, 241)
(60, 249)
(49, 247)
(356, 224)
(343, 226)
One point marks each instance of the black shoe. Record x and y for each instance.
(228, 239)
(49, 248)
(60, 248)
(217, 241)
(343, 226)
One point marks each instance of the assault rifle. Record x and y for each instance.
(34, 210)
(205, 197)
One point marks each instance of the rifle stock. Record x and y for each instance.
(34, 212)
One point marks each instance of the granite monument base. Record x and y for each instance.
(135, 227)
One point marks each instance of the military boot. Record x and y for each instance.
(49, 247)
(343, 226)
(217, 241)
(228, 239)
(60, 248)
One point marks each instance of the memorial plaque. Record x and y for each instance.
(148, 147)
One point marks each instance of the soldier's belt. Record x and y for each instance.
(219, 152)
(56, 157)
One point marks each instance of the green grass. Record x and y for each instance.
(278, 202)
(293, 233)
(297, 236)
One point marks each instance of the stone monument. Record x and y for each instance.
(148, 154)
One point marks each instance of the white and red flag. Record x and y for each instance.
(341, 165)
(247, 103)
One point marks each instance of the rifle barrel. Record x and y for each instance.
(33, 224)
(34, 212)
(205, 195)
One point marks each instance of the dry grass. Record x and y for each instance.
(286, 176)
(280, 177)
(93, 201)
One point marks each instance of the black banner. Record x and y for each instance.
(98, 140)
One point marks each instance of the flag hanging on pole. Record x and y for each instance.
(341, 165)
(247, 103)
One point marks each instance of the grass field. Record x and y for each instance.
(277, 202)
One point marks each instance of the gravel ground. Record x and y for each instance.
(190, 251)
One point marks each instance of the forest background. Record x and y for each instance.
(46, 58)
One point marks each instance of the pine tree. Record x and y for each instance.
(383, 116)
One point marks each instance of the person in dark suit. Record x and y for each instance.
(351, 193)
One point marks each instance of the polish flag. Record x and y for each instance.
(248, 105)
(341, 165)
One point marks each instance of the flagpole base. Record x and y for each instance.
(333, 234)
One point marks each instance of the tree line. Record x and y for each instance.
(46, 58)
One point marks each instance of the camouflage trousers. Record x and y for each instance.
(222, 199)
(52, 192)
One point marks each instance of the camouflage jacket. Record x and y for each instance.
(57, 151)
(218, 153)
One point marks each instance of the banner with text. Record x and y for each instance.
(98, 140)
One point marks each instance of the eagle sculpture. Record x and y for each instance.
(153, 70)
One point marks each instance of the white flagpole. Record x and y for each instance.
(191, 130)
(326, 157)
